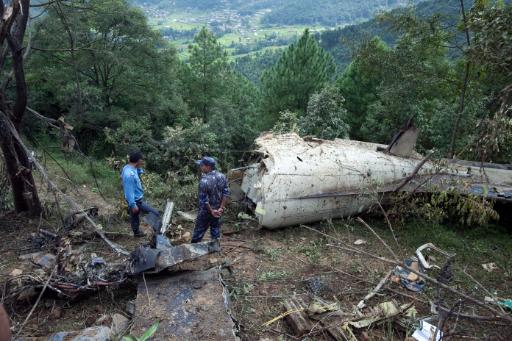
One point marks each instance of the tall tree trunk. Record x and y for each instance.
(18, 167)
(19, 171)
(465, 83)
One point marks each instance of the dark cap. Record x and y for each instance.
(206, 161)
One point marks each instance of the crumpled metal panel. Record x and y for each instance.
(146, 259)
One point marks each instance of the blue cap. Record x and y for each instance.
(207, 161)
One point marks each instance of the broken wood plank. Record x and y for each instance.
(298, 320)
(189, 306)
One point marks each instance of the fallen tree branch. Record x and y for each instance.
(50, 121)
(413, 174)
(483, 288)
(359, 219)
(467, 316)
(374, 291)
(389, 223)
(53, 187)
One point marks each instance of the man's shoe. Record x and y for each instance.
(139, 234)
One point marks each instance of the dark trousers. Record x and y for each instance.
(144, 207)
(204, 221)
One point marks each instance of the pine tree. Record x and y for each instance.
(303, 69)
(209, 67)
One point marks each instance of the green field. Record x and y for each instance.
(249, 34)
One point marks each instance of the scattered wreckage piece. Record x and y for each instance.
(69, 274)
(322, 316)
(116, 329)
(168, 257)
(297, 318)
(295, 181)
(187, 216)
(190, 306)
(100, 333)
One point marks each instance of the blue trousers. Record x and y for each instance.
(204, 221)
(144, 207)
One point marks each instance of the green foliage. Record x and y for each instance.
(273, 253)
(326, 116)
(144, 337)
(467, 210)
(343, 42)
(99, 63)
(360, 81)
(185, 145)
(445, 206)
(416, 70)
(491, 25)
(252, 66)
(312, 250)
(491, 50)
(327, 12)
(288, 122)
(303, 69)
(225, 101)
(272, 275)
(208, 69)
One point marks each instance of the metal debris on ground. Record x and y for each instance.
(426, 332)
(154, 260)
(187, 216)
(490, 267)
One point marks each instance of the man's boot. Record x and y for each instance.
(216, 245)
(138, 234)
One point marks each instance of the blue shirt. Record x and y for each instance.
(213, 187)
(130, 176)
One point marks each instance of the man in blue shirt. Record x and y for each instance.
(134, 193)
(213, 195)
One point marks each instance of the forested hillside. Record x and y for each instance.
(120, 84)
(341, 42)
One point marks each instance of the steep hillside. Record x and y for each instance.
(342, 41)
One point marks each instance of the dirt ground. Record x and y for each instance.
(268, 267)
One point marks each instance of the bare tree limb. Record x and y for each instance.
(413, 174)
(359, 219)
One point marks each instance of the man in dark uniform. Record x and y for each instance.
(213, 195)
